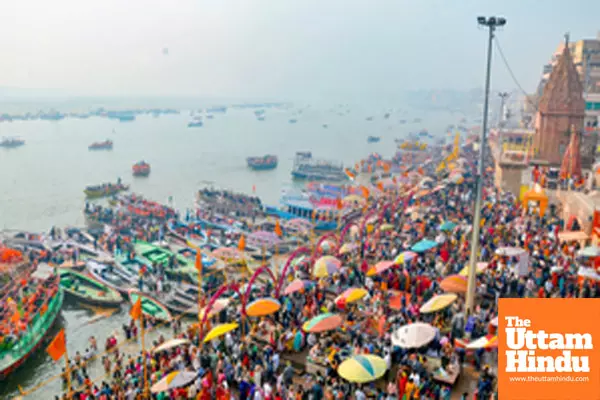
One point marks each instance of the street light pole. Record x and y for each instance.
(491, 23)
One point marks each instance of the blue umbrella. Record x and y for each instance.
(447, 226)
(423, 246)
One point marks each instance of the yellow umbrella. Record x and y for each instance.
(479, 268)
(351, 295)
(219, 330)
(438, 303)
(362, 369)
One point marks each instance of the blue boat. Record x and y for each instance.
(262, 163)
(299, 205)
(373, 139)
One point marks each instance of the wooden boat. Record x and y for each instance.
(150, 307)
(262, 163)
(106, 145)
(14, 355)
(76, 265)
(180, 305)
(88, 290)
(105, 190)
(133, 265)
(141, 169)
(112, 275)
(11, 143)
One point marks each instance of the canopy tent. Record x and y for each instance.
(536, 195)
(571, 236)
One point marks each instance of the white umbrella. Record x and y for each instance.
(174, 380)
(509, 251)
(169, 344)
(494, 322)
(413, 335)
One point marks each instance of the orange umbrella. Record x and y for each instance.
(454, 284)
(262, 307)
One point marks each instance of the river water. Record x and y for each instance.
(41, 183)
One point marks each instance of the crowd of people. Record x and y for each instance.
(276, 357)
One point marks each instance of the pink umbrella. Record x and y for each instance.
(380, 267)
(296, 286)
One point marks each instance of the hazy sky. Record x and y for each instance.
(277, 48)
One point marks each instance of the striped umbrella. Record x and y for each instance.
(484, 342)
(323, 323)
(174, 380)
(380, 267)
(326, 266)
(219, 330)
(454, 284)
(362, 368)
(480, 267)
(438, 303)
(405, 257)
(296, 286)
(350, 295)
(348, 248)
(262, 307)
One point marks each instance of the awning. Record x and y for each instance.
(568, 236)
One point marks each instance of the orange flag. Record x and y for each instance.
(58, 346)
(365, 191)
(198, 263)
(420, 170)
(242, 243)
(314, 214)
(386, 167)
(136, 310)
(16, 317)
(338, 204)
(380, 186)
(349, 174)
(278, 230)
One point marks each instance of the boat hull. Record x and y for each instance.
(262, 167)
(113, 301)
(96, 194)
(6, 371)
(164, 315)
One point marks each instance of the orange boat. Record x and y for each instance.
(141, 168)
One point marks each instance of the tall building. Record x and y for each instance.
(586, 58)
(560, 108)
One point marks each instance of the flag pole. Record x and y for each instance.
(68, 372)
(145, 364)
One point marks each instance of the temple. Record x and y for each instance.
(560, 109)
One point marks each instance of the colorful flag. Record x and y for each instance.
(349, 174)
(136, 309)
(242, 243)
(278, 230)
(58, 346)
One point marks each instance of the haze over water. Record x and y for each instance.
(42, 182)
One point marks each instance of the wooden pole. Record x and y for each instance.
(146, 394)
(68, 372)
